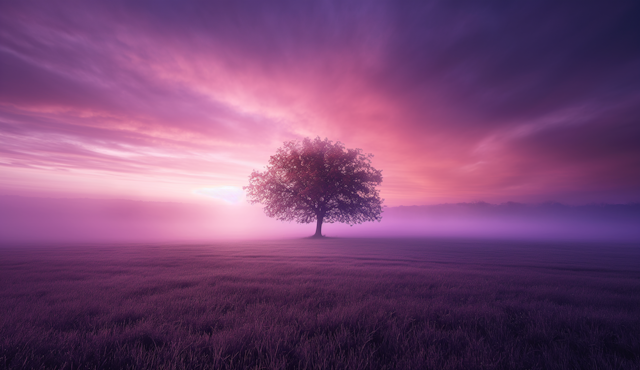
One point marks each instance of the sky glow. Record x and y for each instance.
(458, 103)
(228, 194)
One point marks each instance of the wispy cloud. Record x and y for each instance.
(458, 102)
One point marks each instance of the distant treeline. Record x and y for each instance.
(592, 212)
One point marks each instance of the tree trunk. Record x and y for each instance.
(318, 233)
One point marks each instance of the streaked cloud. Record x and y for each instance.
(458, 101)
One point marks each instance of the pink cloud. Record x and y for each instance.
(107, 99)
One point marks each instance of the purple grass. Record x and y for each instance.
(322, 304)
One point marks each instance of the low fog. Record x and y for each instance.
(39, 220)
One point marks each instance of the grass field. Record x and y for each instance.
(321, 304)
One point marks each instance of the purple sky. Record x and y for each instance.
(459, 101)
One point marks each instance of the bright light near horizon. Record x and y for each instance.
(229, 194)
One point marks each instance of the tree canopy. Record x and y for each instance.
(318, 180)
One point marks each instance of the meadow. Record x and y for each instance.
(321, 304)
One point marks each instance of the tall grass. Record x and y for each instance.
(330, 304)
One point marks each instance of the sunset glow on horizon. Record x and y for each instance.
(319, 184)
(458, 103)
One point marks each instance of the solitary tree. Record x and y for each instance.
(317, 180)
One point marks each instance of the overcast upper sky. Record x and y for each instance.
(458, 100)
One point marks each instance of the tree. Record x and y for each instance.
(317, 180)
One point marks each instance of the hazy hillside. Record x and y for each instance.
(51, 220)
